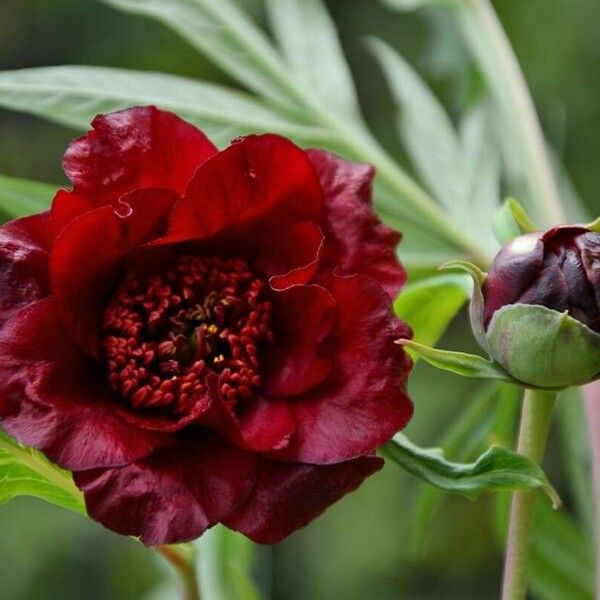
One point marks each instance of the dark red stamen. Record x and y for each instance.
(164, 334)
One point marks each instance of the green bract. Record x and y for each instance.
(542, 347)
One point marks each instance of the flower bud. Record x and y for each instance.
(538, 310)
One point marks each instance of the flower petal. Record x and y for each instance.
(52, 397)
(304, 317)
(290, 255)
(289, 496)
(88, 256)
(512, 271)
(363, 402)
(262, 426)
(262, 177)
(24, 257)
(358, 242)
(175, 494)
(135, 148)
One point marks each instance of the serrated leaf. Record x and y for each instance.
(307, 35)
(221, 30)
(497, 469)
(27, 472)
(224, 562)
(73, 95)
(21, 197)
(429, 305)
(459, 363)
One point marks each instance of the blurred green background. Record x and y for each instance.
(361, 548)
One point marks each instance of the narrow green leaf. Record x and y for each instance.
(225, 560)
(465, 436)
(495, 470)
(511, 221)
(459, 363)
(576, 453)
(407, 5)
(562, 557)
(221, 30)
(309, 40)
(73, 95)
(27, 472)
(473, 270)
(429, 305)
(20, 197)
(561, 565)
(425, 129)
(482, 173)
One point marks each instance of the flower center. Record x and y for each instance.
(164, 334)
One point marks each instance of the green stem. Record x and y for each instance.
(535, 424)
(181, 559)
(496, 58)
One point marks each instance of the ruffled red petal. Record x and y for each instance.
(88, 256)
(24, 258)
(259, 177)
(290, 255)
(358, 242)
(304, 317)
(135, 148)
(289, 496)
(175, 494)
(52, 397)
(363, 403)
(262, 426)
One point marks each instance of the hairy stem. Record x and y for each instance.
(535, 424)
(496, 58)
(182, 560)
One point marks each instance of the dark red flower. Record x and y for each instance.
(557, 269)
(203, 336)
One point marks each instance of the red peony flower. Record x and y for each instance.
(203, 336)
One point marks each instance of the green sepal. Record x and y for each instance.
(511, 221)
(497, 469)
(594, 225)
(477, 301)
(459, 363)
(542, 347)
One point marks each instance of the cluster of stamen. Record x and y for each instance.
(165, 333)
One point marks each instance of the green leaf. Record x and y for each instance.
(20, 197)
(425, 129)
(225, 559)
(429, 305)
(226, 34)
(562, 557)
(495, 470)
(459, 363)
(27, 472)
(511, 221)
(307, 35)
(575, 443)
(561, 565)
(465, 436)
(482, 173)
(414, 4)
(73, 95)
